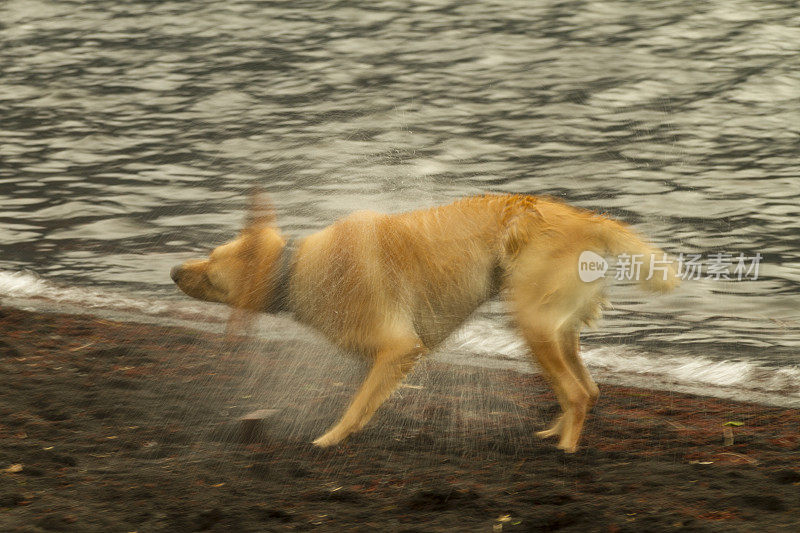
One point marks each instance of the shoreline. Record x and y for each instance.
(657, 379)
(148, 414)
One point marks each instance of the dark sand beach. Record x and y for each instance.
(109, 426)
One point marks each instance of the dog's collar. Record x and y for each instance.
(283, 274)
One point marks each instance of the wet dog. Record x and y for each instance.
(390, 288)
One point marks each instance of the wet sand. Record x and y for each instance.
(108, 426)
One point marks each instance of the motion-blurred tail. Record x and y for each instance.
(657, 270)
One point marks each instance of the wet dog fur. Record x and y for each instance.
(390, 288)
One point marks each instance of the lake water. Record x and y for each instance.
(129, 131)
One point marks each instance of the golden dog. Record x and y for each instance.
(393, 287)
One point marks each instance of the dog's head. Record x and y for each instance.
(238, 273)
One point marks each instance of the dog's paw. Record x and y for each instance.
(547, 433)
(326, 441)
(554, 430)
(568, 447)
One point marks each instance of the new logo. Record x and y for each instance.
(591, 266)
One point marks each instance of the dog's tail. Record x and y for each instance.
(636, 258)
(547, 225)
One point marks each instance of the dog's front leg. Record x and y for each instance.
(389, 367)
(554, 430)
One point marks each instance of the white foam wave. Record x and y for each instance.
(743, 375)
(736, 379)
(26, 285)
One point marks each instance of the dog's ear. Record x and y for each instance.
(252, 290)
(260, 212)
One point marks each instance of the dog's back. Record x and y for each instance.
(430, 269)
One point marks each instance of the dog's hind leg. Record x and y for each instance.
(572, 396)
(570, 347)
(390, 366)
(570, 343)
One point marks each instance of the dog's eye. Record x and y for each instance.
(210, 281)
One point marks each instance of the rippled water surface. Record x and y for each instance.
(130, 130)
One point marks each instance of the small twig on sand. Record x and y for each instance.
(740, 456)
(81, 347)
